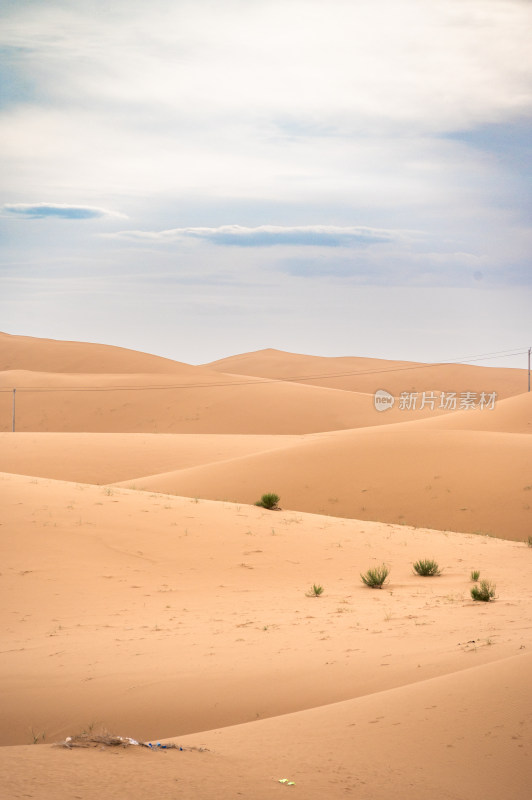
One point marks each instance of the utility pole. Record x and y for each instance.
(14, 394)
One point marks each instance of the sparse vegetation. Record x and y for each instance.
(269, 501)
(475, 575)
(37, 737)
(484, 592)
(427, 567)
(375, 577)
(529, 541)
(315, 590)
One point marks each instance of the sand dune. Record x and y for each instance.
(52, 355)
(110, 457)
(199, 402)
(115, 457)
(459, 736)
(167, 615)
(147, 603)
(512, 415)
(470, 481)
(369, 374)
(79, 387)
(420, 470)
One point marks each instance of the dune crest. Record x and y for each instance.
(368, 374)
(54, 355)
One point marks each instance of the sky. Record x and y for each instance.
(336, 177)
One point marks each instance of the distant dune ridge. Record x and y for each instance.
(368, 374)
(52, 355)
(344, 457)
(75, 387)
(145, 592)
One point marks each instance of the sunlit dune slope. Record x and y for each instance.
(114, 457)
(512, 415)
(74, 386)
(473, 481)
(159, 616)
(459, 736)
(369, 374)
(462, 735)
(197, 402)
(107, 457)
(51, 355)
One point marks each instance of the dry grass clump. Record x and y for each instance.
(484, 592)
(104, 739)
(375, 577)
(268, 500)
(427, 567)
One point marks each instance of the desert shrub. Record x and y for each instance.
(268, 500)
(375, 577)
(485, 591)
(529, 541)
(475, 575)
(315, 590)
(427, 567)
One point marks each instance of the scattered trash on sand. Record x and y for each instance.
(108, 740)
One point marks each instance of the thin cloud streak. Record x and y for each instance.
(269, 235)
(56, 211)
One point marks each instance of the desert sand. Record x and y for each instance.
(367, 374)
(144, 593)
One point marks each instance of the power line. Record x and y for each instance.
(258, 379)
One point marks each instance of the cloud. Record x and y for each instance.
(397, 62)
(269, 235)
(56, 211)
(379, 119)
(321, 102)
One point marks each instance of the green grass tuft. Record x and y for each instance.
(475, 575)
(375, 577)
(484, 592)
(268, 500)
(315, 590)
(427, 567)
